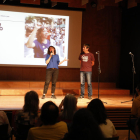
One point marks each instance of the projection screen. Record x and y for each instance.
(21, 25)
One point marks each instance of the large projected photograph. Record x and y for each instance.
(26, 37)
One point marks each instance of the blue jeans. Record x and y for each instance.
(88, 76)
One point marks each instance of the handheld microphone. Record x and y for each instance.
(97, 52)
(130, 53)
(51, 53)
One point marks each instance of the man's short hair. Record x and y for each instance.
(87, 45)
(49, 113)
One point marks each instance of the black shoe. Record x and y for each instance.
(53, 96)
(89, 97)
(80, 97)
(43, 96)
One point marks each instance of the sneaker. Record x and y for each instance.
(43, 96)
(89, 97)
(53, 96)
(80, 97)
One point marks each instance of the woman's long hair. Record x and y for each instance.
(97, 108)
(50, 51)
(70, 106)
(84, 127)
(31, 102)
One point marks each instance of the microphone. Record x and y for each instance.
(97, 52)
(51, 53)
(130, 53)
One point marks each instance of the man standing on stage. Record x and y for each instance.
(87, 61)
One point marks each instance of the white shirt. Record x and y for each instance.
(108, 130)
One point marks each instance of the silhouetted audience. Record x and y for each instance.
(68, 107)
(137, 128)
(51, 129)
(29, 115)
(135, 111)
(136, 103)
(84, 127)
(97, 108)
(4, 120)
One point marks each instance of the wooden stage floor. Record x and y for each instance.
(9, 103)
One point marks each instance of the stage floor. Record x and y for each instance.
(10, 103)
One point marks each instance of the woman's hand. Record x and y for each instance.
(65, 59)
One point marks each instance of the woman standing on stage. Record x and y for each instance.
(52, 61)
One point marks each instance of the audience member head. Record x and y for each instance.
(31, 102)
(49, 113)
(138, 89)
(70, 106)
(138, 129)
(84, 127)
(97, 108)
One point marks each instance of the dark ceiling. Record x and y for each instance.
(66, 4)
(43, 4)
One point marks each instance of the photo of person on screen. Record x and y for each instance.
(52, 60)
(47, 31)
(41, 43)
